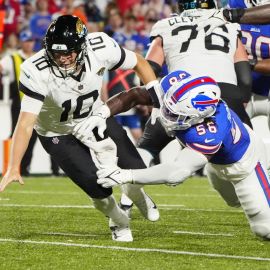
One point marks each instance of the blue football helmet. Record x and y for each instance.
(188, 102)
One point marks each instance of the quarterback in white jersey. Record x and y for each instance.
(62, 84)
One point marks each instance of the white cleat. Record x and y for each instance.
(120, 233)
(148, 208)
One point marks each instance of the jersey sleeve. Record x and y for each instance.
(110, 52)
(204, 148)
(207, 144)
(158, 29)
(31, 81)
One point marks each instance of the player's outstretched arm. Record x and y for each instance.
(20, 140)
(255, 15)
(188, 162)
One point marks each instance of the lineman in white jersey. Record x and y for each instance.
(61, 84)
(221, 55)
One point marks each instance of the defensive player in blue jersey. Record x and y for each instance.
(256, 39)
(212, 135)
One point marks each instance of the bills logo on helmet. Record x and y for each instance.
(201, 102)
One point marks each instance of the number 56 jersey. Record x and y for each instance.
(233, 148)
(222, 136)
(195, 52)
(66, 101)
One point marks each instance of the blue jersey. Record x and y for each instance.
(256, 39)
(223, 136)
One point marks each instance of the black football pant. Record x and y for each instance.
(76, 161)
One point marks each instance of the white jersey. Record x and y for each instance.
(66, 101)
(187, 49)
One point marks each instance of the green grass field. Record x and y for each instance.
(49, 223)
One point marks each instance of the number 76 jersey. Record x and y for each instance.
(195, 52)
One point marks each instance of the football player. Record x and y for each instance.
(212, 135)
(62, 85)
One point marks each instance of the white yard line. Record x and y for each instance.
(153, 250)
(162, 206)
(4, 199)
(184, 195)
(202, 233)
(80, 193)
(45, 206)
(69, 234)
(44, 192)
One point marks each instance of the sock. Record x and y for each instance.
(110, 208)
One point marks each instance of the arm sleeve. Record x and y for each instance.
(244, 78)
(187, 162)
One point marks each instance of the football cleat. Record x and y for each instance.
(120, 233)
(148, 208)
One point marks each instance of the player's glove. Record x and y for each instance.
(97, 119)
(210, 20)
(113, 176)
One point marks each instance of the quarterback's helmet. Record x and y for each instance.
(189, 102)
(65, 35)
(192, 4)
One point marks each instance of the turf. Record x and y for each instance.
(51, 224)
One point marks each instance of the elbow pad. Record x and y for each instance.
(233, 15)
(244, 79)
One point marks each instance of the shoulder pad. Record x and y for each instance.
(159, 28)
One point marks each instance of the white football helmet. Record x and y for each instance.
(189, 102)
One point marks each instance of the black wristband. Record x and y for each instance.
(233, 15)
(154, 97)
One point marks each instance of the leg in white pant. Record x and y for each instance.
(119, 221)
(223, 187)
(110, 208)
(254, 195)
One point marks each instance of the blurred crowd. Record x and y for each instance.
(129, 22)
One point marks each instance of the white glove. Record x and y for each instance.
(105, 151)
(96, 119)
(155, 114)
(113, 176)
(212, 18)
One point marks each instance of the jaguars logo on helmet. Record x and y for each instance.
(65, 35)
